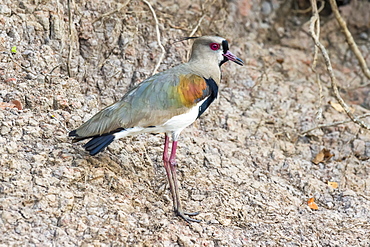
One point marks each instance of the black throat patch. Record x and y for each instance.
(225, 48)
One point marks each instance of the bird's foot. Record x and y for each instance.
(185, 216)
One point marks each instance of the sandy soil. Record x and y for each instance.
(245, 165)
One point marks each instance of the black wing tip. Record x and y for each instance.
(73, 133)
(76, 138)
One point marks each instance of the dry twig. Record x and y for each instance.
(197, 26)
(193, 32)
(305, 11)
(321, 96)
(70, 39)
(313, 31)
(120, 7)
(332, 124)
(314, 63)
(22, 67)
(48, 74)
(315, 27)
(158, 36)
(350, 41)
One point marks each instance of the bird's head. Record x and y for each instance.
(213, 48)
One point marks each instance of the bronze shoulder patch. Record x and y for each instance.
(191, 89)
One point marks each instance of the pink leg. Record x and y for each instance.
(167, 166)
(173, 165)
(175, 191)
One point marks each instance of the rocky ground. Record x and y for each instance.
(246, 165)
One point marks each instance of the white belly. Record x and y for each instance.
(174, 125)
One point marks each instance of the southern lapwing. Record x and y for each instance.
(166, 103)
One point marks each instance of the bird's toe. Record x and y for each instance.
(185, 216)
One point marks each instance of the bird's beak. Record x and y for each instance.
(233, 58)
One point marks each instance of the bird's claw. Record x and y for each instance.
(191, 214)
(185, 215)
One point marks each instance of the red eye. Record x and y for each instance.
(214, 46)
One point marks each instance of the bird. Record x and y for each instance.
(166, 102)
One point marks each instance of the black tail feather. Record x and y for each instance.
(93, 143)
(98, 144)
